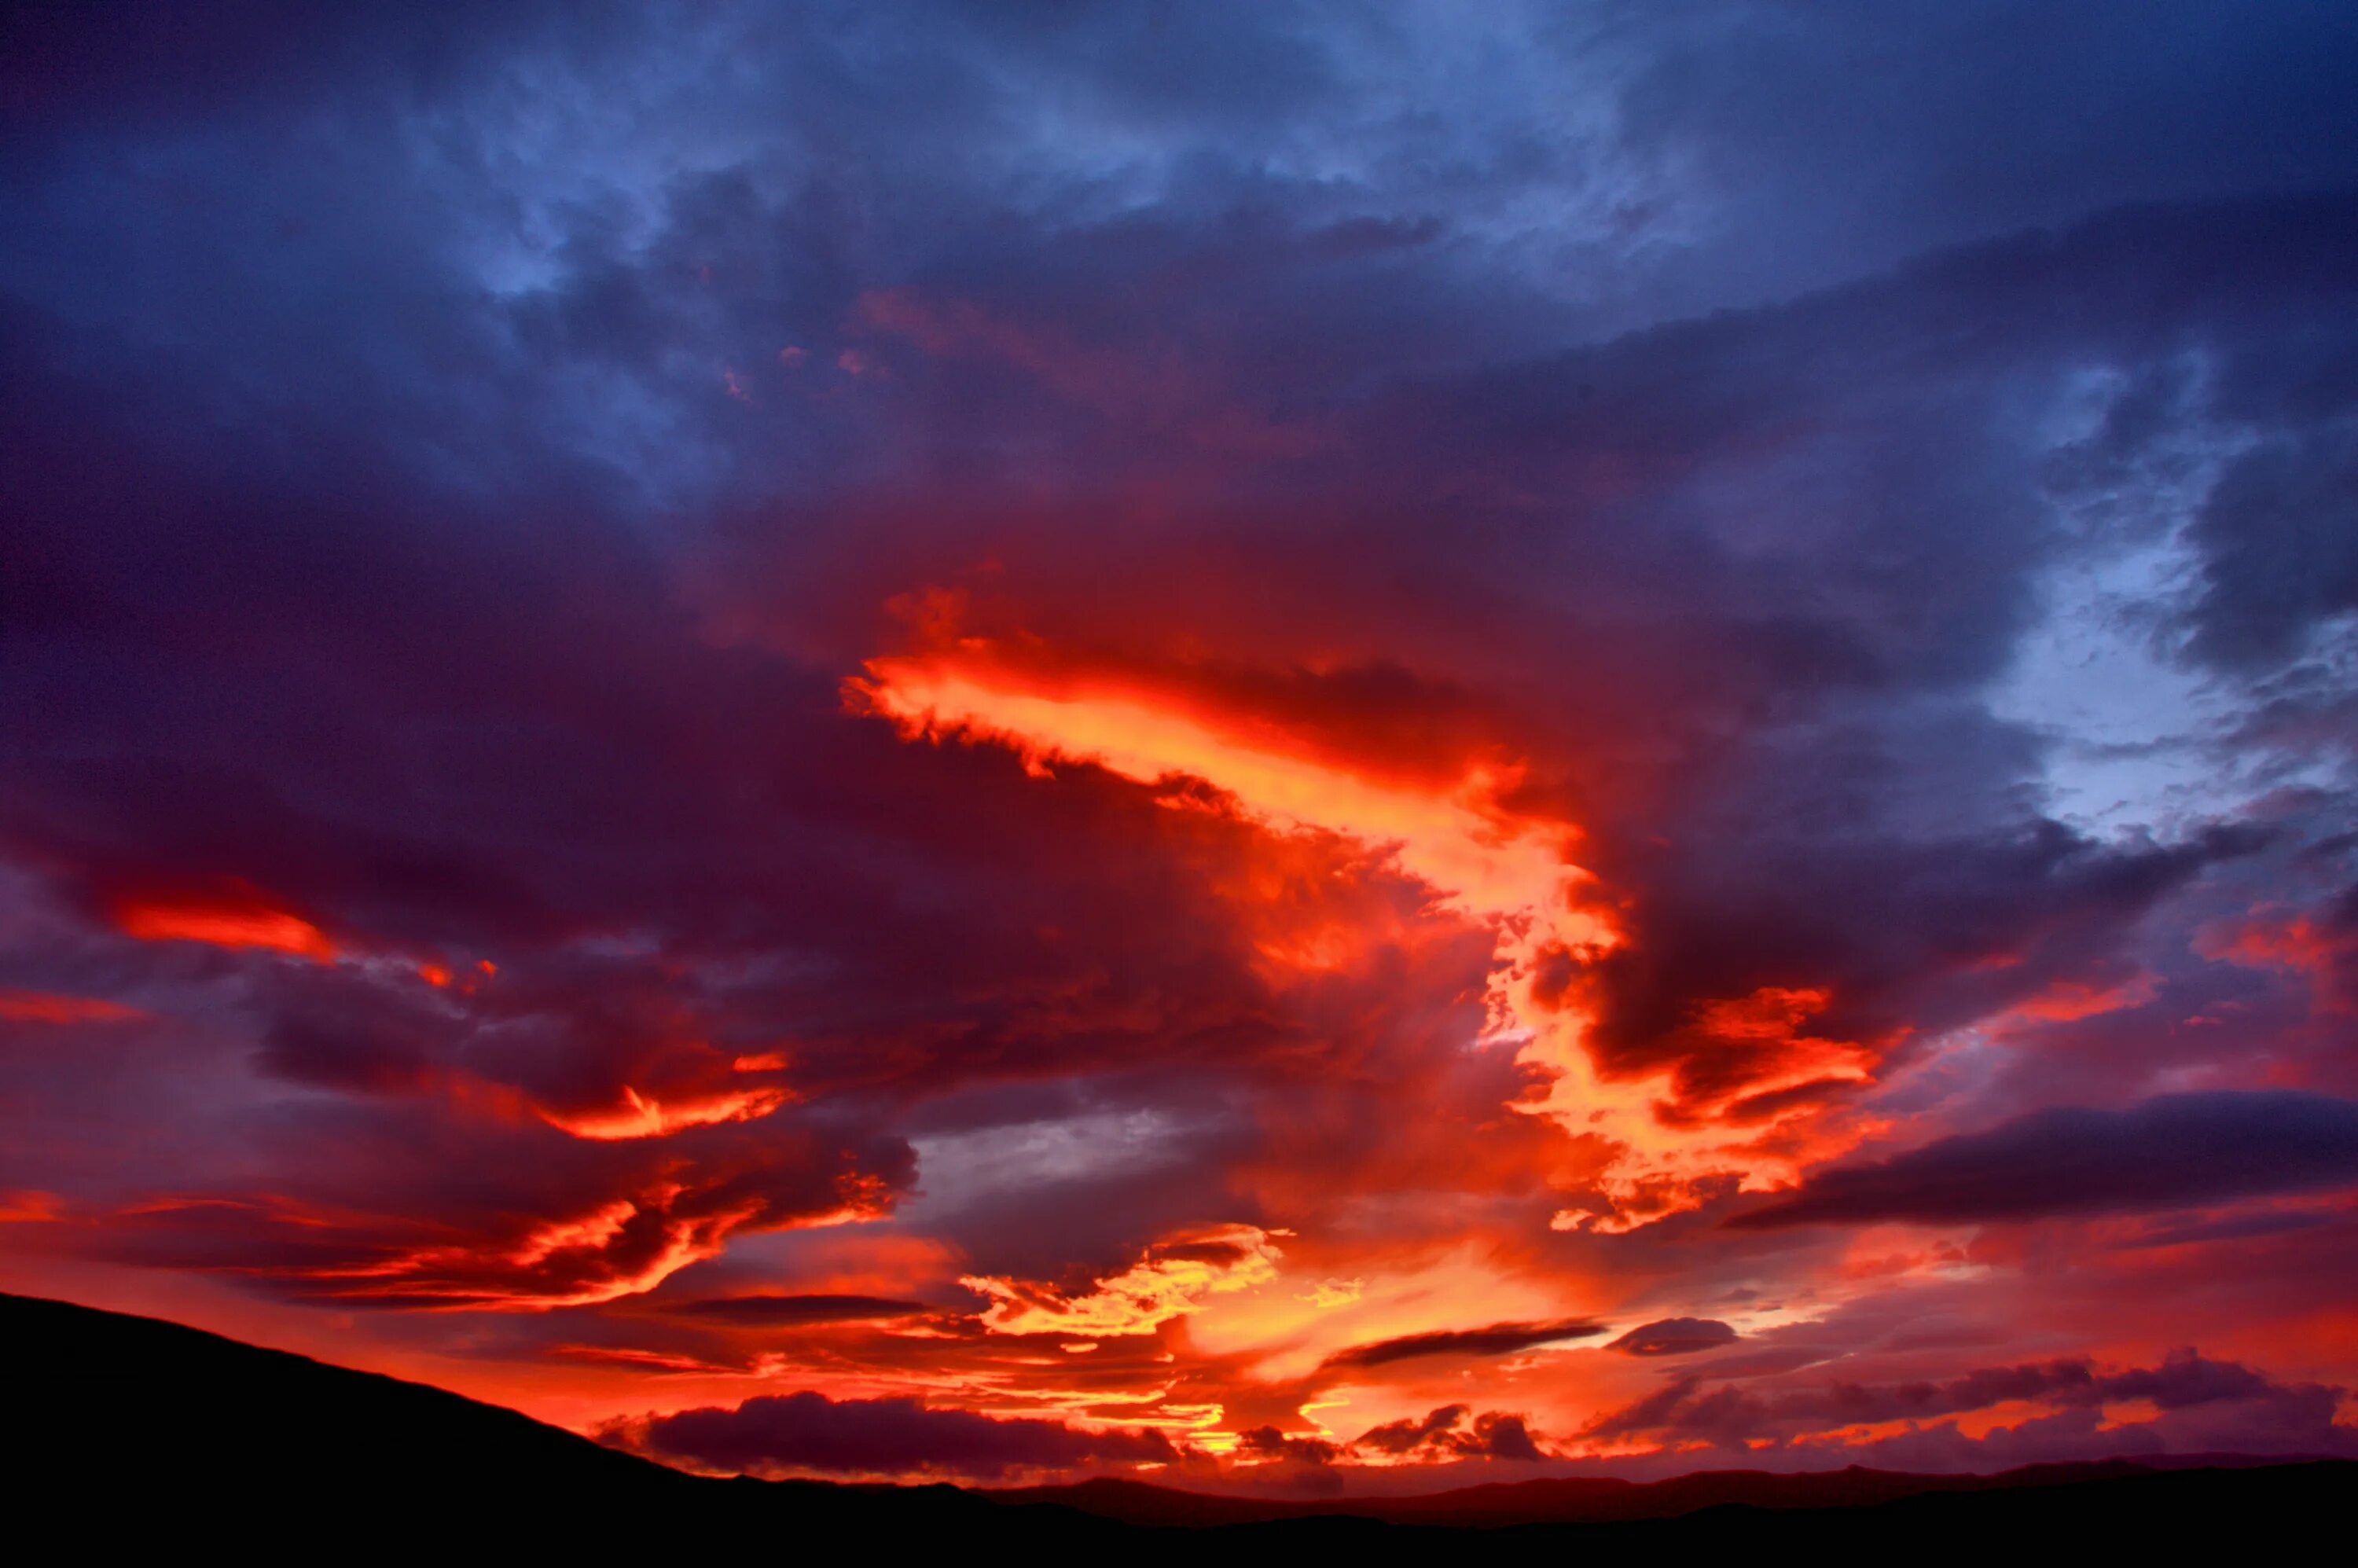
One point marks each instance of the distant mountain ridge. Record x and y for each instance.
(1607, 1499)
(137, 1428)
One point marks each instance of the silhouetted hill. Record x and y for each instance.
(127, 1429)
(156, 1429)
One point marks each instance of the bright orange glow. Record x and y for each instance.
(1176, 1277)
(48, 1007)
(1483, 860)
(1285, 1331)
(643, 1116)
(225, 925)
(592, 1230)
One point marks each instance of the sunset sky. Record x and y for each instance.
(1291, 747)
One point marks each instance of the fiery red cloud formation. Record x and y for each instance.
(225, 925)
(1658, 1151)
(1288, 751)
(641, 1116)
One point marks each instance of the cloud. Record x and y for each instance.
(766, 1311)
(223, 926)
(1268, 1442)
(2172, 1150)
(1414, 497)
(2278, 556)
(1177, 1276)
(1732, 1414)
(1675, 1336)
(1444, 1435)
(808, 1432)
(1496, 1339)
(529, 1220)
(48, 1007)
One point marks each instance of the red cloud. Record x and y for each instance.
(225, 925)
(48, 1007)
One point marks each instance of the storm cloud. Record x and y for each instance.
(2172, 1150)
(806, 1431)
(1042, 722)
(1498, 1339)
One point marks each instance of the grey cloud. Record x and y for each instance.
(2169, 1152)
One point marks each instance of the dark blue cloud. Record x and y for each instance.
(2170, 1151)
(1675, 1336)
(2277, 535)
(772, 1310)
(1494, 1340)
(1444, 1434)
(808, 1431)
(2196, 1394)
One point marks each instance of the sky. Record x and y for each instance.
(1295, 748)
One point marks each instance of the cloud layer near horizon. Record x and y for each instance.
(1295, 745)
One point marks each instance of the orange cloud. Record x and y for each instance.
(621, 1248)
(1176, 1277)
(1282, 1336)
(225, 925)
(1776, 1056)
(643, 1116)
(1485, 859)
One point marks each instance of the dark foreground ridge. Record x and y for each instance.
(131, 1429)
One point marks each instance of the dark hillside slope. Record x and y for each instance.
(146, 1427)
